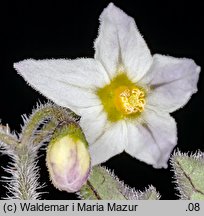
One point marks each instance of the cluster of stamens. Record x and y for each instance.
(132, 100)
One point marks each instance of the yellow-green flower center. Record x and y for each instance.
(122, 98)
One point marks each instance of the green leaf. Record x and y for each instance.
(104, 185)
(189, 174)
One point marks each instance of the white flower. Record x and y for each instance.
(124, 95)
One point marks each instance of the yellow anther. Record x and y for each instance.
(129, 99)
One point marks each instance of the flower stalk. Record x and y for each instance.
(42, 114)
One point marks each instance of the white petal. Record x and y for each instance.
(119, 41)
(111, 142)
(93, 122)
(152, 141)
(69, 83)
(173, 81)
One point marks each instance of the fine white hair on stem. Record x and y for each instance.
(23, 180)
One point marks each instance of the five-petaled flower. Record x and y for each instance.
(124, 95)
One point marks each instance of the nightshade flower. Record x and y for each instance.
(124, 95)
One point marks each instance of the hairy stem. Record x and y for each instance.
(8, 139)
(43, 113)
(45, 132)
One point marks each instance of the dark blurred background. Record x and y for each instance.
(67, 30)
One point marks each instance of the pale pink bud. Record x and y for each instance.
(68, 159)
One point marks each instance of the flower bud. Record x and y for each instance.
(68, 159)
